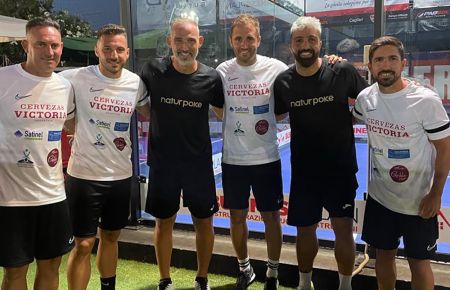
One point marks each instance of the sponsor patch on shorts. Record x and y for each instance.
(399, 153)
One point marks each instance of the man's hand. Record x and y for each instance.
(332, 59)
(430, 205)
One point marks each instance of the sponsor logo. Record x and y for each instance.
(26, 160)
(98, 143)
(33, 135)
(52, 157)
(399, 173)
(212, 207)
(120, 143)
(92, 121)
(93, 90)
(312, 101)
(433, 14)
(261, 127)
(431, 247)
(19, 97)
(71, 240)
(347, 205)
(180, 102)
(377, 151)
(239, 110)
(399, 154)
(238, 131)
(54, 135)
(101, 124)
(230, 79)
(121, 127)
(18, 134)
(355, 20)
(261, 109)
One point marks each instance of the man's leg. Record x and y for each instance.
(273, 234)
(385, 269)
(204, 235)
(163, 245)
(79, 264)
(307, 248)
(107, 255)
(239, 232)
(15, 278)
(47, 274)
(344, 250)
(421, 274)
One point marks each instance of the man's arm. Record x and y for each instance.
(218, 111)
(280, 117)
(144, 111)
(431, 203)
(69, 126)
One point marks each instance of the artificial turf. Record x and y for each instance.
(133, 275)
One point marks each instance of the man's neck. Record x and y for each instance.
(399, 85)
(308, 71)
(188, 69)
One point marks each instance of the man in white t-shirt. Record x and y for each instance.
(250, 151)
(99, 171)
(34, 215)
(409, 138)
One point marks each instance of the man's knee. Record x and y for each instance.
(238, 217)
(109, 236)
(83, 246)
(15, 273)
(271, 217)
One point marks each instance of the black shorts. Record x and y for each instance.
(104, 204)
(34, 232)
(264, 180)
(309, 195)
(195, 179)
(383, 228)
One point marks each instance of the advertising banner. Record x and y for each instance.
(320, 8)
(430, 3)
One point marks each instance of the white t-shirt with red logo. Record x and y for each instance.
(400, 127)
(101, 149)
(32, 114)
(249, 125)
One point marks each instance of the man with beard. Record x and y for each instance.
(99, 172)
(409, 135)
(323, 158)
(181, 90)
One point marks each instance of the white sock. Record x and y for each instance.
(272, 268)
(345, 282)
(305, 281)
(244, 264)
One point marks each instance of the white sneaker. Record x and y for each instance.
(311, 288)
(201, 286)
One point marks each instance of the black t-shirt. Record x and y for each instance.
(179, 128)
(322, 141)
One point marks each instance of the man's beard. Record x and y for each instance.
(386, 81)
(306, 62)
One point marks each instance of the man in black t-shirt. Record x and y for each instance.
(323, 159)
(180, 155)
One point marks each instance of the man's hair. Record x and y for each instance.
(244, 19)
(111, 29)
(183, 20)
(304, 22)
(386, 40)
(41, 21)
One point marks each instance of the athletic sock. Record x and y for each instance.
(272, 268)
(305, 280)
(244, 265)
(345, 282)
(108, 283)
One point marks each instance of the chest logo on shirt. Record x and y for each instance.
(261, 109)
(399, 173)
(312, 101)
(93, 90)
(26, 160)
(100, 124)
(52, 157)
(180, 102)
(238, 131)
(261, 127)
(20, 97)
(98, 143)
(239, 110)
(120, 143)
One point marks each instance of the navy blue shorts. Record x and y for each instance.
(383, 229)
(104, 204)
(34, 232)
(263, 180)
(309, 195)
(195, 180)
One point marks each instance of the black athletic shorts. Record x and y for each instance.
(309, 195)
(34, 232)
(383, 228)
(104, 204)
(264, 180)
(194, 179)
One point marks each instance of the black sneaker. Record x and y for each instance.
(201, 284)
(165, 284)
(245, 278)
(271, 283)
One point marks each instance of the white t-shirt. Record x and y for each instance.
(249, 125)
(32, 114)
(400, 127)
(101, 149)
